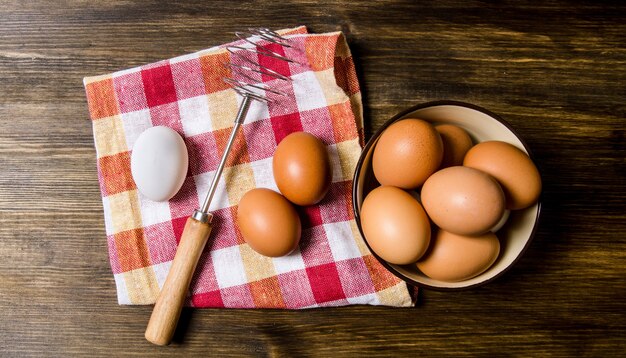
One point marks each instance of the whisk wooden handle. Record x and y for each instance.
(170, 303)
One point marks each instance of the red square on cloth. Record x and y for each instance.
(325, 283)
(178, 225)
(101, 99)
(310, 216)
(207, 299)
(115, 173)
(158, 85)
(271, 63)
(285, 125)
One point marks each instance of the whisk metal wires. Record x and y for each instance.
(243, 67)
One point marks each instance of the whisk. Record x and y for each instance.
(197, 229)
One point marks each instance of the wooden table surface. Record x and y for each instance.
(556, 71)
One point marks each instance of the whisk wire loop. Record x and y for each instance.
(261, 69)
(256, 41)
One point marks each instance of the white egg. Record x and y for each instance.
(159, 163)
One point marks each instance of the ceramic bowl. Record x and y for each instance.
(482, 125)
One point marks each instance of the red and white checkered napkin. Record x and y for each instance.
(332, 266)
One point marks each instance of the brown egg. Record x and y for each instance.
(454, 257)
(407, 153)
(513, 169)
(463, 200)
(395, 225)
(302, 169)
(456, 142)
(268, 222)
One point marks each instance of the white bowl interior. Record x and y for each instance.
(516, 232)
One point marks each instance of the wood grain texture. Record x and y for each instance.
(555, 70)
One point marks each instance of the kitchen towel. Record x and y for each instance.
(331, 267)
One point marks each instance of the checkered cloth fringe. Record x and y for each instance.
(331, 267)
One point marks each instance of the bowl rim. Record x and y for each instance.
(359, 166)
